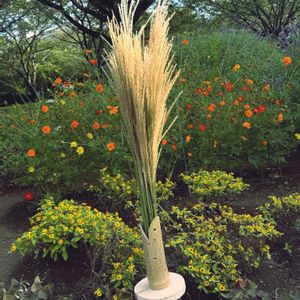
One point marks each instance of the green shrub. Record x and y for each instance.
(216, 244)
(234, 111)
(84, 134)
(282, 209)
(56, 228)
(214, 183)
(284, 213)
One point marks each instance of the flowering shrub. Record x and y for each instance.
(282, 209)
(233, 113)
(56, 228)
(284, 213)
(216, 244)
(215, 183)
(59, 145)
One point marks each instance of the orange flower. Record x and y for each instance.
(264, 143)
(248, 113)
(44, 108)
(185, 42)
(189, 106)
(104, 125)
(46, 129)
(96, 125)
(174, 147)
(93, 62)
(99, 88)
(187, 138)
(199, 91)
(190, 126)
(74, 124)
(211, 107)
(209, 88)
(266, 87)
(247, 125)
(31, 121)
(111, 146)
(247, 106)
(228, 86)
(164, 142)
(278, 102)
(88, 51)
(222, 103)
(202, 127)
(58, 80)
(113, 109)
(236, 102)
(287, 60)
(73, 94)
(280, 117)
(31, 153)
(67, 83)
(249, 81)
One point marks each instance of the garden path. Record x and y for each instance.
(11, 225)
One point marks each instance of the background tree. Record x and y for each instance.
(84, 21)
(33, 50)
(266, 17)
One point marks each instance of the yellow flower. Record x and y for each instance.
(221, 287)
(297, 136)
(73, 144)
(236, 68)
(80, 150)
(89, 135)
(98, 293)
(62, 102)
(44, 231)
(266, 87)
(31, 169)
(116, 265)
(62, 155)
(119, 277)
(60, 242)
(115, 297)
(13, 248)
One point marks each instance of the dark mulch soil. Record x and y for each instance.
(73, 277)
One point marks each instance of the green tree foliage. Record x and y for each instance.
(266, 17)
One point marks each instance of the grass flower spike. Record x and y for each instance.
(143, 76)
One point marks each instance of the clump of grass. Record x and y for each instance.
(143, 76)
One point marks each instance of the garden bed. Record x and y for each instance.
(73, 277)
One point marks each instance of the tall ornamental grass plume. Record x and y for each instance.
(143, 76)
